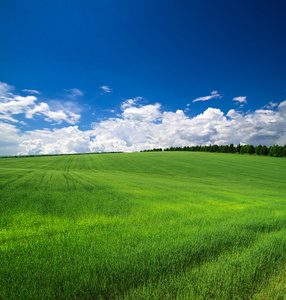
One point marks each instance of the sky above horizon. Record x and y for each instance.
(107, 75)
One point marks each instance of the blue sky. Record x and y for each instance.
(81, 76)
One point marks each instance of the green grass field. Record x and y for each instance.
(170, 225)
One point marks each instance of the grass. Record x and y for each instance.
(171, 225)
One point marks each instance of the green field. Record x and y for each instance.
(168, 225)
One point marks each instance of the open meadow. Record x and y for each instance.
(158, 225)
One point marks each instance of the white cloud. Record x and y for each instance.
(214, 95)
(282, 105)
(130, 102)
(56, 141)
(146, 113)
(31, 91)
(109, 110)
(8, 118)
(146, 127)
(271, 105)
(9, 139)
(74, 93)
(5, 88)
(11, 105)
(52, 116)
(240, 99)
(16, 105)
(105, 89)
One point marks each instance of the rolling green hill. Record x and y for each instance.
(158, 225)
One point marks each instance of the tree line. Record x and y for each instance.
(275, 150)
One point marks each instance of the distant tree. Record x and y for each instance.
(276, 151)
(280, 151)
(264, 150)
(242, 149)
(225, 149)
(250, 149)
(237, 149)
(258, 149)
(214, 148)
(284, 151)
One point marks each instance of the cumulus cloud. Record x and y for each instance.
(9, 139)
(146, 113)
(105, 89)
(15, 105)
(214, 95)
(58, 116)
(138, 126)
(11, 105)
(130, 102)
(240, 99)
(281, 106)
(147, 126)
(56, 141)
